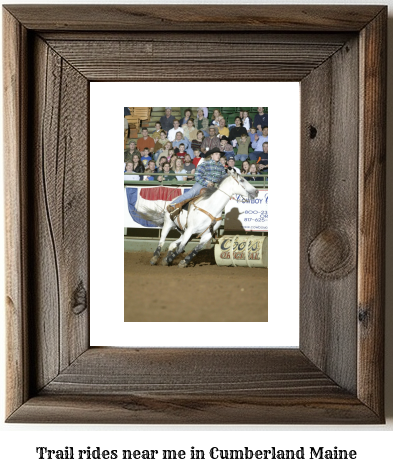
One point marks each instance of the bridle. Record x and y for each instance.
(214, 220)
(218, 189)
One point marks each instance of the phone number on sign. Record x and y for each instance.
(263, 216)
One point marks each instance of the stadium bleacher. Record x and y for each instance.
(148, 116)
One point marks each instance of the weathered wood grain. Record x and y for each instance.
(329, 170)
(14, 69)
(59, 242)
(193, 386)
(195, 17)
(143, 60)
(203, 371)
(372, 199)
(193, 409)
(241, 37)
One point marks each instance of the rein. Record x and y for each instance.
(214, 220)
(218, 189)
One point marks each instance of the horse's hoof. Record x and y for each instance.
(153, 261)
(165, 262)
(182, 264)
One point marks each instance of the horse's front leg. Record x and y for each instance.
(204, 239)
(173, 253)
(168, 225)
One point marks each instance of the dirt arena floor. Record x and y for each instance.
(210, 292)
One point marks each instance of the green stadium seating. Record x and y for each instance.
(228, 110)
(254, 110)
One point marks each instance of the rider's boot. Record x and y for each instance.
(174, 209)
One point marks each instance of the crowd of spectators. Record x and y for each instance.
(178, 145)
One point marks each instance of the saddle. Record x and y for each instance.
(175, 209)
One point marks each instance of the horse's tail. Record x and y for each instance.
(151, 211)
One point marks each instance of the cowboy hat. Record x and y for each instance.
(214, 150)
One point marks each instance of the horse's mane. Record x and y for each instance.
(211, 190)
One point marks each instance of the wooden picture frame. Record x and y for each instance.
(338, 54)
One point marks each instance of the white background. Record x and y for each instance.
(18, 442)
(106, 219)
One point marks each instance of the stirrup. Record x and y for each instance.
(174, 210)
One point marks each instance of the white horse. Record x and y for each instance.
(202, 219)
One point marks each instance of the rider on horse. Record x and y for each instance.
(208, 173)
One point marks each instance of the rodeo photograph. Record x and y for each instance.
(195, 214)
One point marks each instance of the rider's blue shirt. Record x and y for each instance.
(210, 170)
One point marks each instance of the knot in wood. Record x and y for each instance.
(313, 132)
(330, 254)
(364, 316)
(80, 299)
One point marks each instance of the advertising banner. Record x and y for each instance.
(250, 215)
